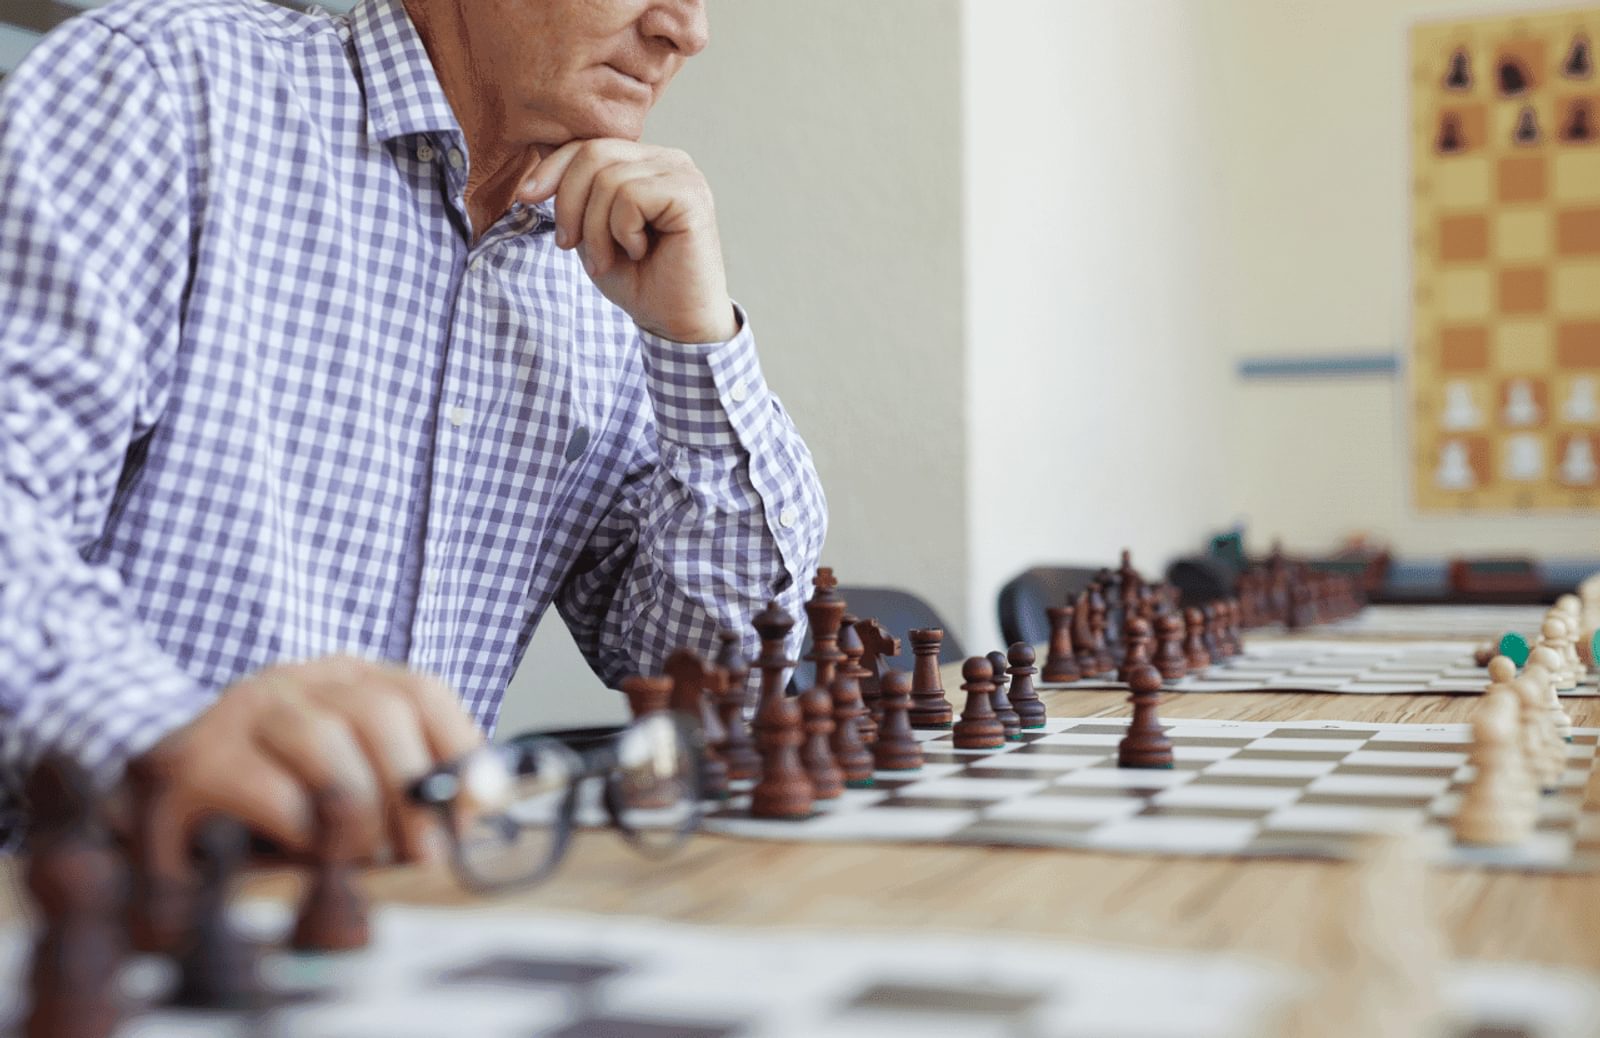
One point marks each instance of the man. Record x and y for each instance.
(327, 342)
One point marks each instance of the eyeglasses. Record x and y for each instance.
(511, 809)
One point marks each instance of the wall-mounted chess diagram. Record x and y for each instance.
(1505, 366)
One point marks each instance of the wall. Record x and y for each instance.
(837, 177)
(1312, 110)
(1093, 356)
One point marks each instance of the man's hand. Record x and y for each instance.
(275, 739)
(643, 221)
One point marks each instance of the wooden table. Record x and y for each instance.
(1252, 906)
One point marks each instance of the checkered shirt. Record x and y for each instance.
(262, 400)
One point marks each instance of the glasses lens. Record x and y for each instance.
(656, 783)
(509, 813)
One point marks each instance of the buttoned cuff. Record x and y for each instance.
(707, 396)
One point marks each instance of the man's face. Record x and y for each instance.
(560, 70)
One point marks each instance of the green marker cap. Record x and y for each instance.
(1516, 647)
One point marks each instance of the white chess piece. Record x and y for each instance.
(1460, 412)
(1571, 612)
(1544, 665)
(1521, 407)
(1581, 405)
(1500, 807)
(1524, 457)
(1542, 748)
(1455, 470)
(1577, 462)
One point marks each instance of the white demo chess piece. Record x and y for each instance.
(1500, 808)
(1524, 458)
(1459, 410)
(1581, 405)
(1455, 470)
(1578, 466)
(1521, 407)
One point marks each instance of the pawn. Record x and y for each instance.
(784, 790)
(1136, 647)
(739, 750)
(929, 707)
(1169, 659)
(897, 748)
(1195, 655)
(853, 672)
(1061, 663)
(1009, 718)
(979, 728)
(333, 913)
(1542, 749)
(816, 754)
(1555, 637)
(1146, 745)
(216, 967)
(1498, 808)
(854, 759)
(1024, 700)
(1543, 665)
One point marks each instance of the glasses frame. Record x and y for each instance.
(589, 753)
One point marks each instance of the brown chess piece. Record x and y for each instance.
(1136, 648)
(877, 645)
(929, 707)
(1099, 639)
(739, 750)
(1024, 700)
(216, 966)
(1169, 658)
(1009, 718)
(1450, 139)
(979, 728)
(855, 760)
(773, 625)
(897, 748)
(1061, 663)
(784, 790)
(333, 912)
(647, 694)
(79, 885)
(1215, 645)
(824, 613)
(1231, 626)
(1146, 745)
(854, 674)
(695, 687)
(1083, 637)
(1580, 127)
(816, 753)
(1460, 75)
(1194, 644)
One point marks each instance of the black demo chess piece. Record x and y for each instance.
(1146, 745)
(1527, 131)
(1580, 60)
(1580, 124)
(1450, 140)
(79, 885)
(1460, 75)
(1514, 78)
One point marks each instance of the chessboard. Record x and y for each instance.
(432, 972)
(1372, 668)
(1310, 789)
(1505, 377)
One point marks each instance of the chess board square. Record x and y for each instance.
(1324, 733)
(1190, 752)
(1118, 730)
(1341, 819)
(969, 804)
(1410, 737)
(851, 799)
(1126, 778)
(1085, 810)
(911, 823)
(1211, 778)
(1380, 785)
(1381, 802)
(523, 971)
(1098, 751)
(944, 1000)
(1250, 814)
(1192, 835)
(1272, 768)
(1378, 770)
(1199, 795)
(1033, 832)
(1306, 744)
(1178, 737)
(1290, 755)
(1545, 848)
(1021, 765)
(975, 787)
(934, 764)
(640, 1027)
(1077, 738)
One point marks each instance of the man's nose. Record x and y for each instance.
(680, 24)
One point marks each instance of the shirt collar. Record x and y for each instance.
(403, 92)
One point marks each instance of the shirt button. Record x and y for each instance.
(424, 153)
(457, 160)
(787, 518)
(740, 392)
(458, 414)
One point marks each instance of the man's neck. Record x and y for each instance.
(498, 169)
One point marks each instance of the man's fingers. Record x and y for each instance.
(546, 176)
(614, 185)
(449, 732)
(630, 229)
(318, 749)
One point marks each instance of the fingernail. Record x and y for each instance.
(590, 266)
(561, 237)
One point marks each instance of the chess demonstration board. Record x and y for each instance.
(1367, 668)
(1309, 789)
(499, 974)
(1505, 373)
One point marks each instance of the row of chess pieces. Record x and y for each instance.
(1520, 728)
(1280, 592)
